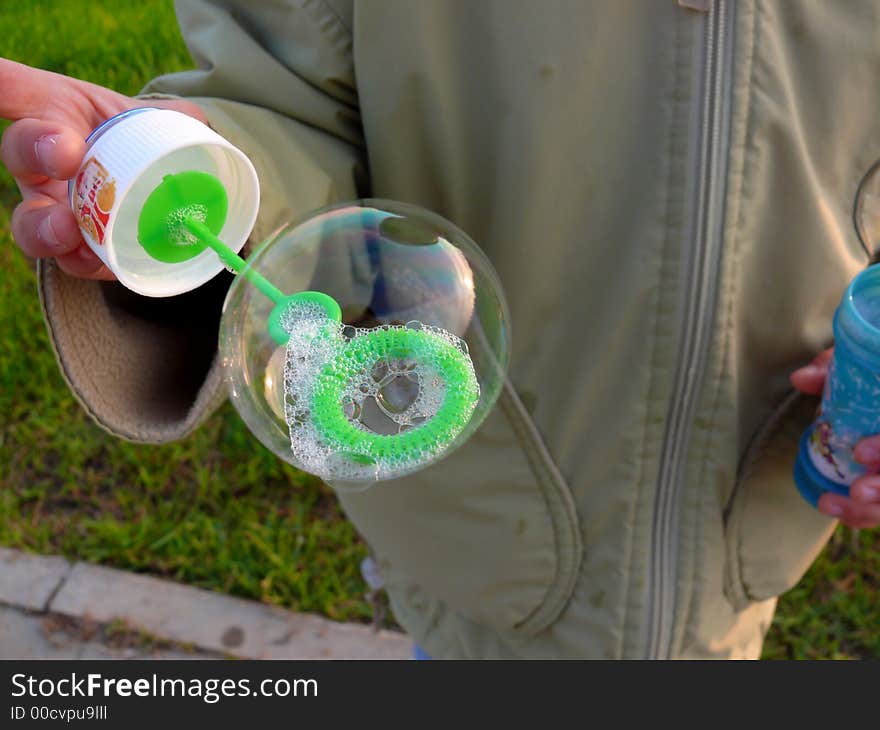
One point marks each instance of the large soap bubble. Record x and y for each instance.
(408, 375)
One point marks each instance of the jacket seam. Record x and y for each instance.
(758, 443)
(735, 258)
(561, 507)
(733, 523)
(343, 42)
(337, 18)
(653, 384)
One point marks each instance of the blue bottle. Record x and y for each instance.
(850, 407)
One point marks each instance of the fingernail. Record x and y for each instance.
(832, 509)
(869, 494)
(810, 370)
(44, 148)
(46, 233)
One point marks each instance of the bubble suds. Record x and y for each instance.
(364, 404)
(177, 232)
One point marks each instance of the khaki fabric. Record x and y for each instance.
(562, 139)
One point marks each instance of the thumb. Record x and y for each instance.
(810, 379)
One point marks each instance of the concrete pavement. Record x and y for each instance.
(53, 608)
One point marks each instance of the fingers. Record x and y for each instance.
(178, 105)
(36, 151)
(39, 154)
(861, 509)
(44, 228)
(24, 91)
(83, 263)
(810, 379)
(866, 490)
(867, 452)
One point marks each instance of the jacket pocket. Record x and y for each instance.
(491, 532)
(772, 534)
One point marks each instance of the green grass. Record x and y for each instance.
(217, 510)
(833, 613)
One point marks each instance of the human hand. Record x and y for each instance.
(862, 507)
(52, 114)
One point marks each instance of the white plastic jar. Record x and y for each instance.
(126, 159)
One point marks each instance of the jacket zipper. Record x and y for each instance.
(701, 260)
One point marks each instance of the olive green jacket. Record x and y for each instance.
(666, 195)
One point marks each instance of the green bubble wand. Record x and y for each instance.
(183, 216)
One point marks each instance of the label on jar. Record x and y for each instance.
(850, 411)
(94, 195)
(831, 458)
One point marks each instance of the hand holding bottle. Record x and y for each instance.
(52, 114)
(862, 508)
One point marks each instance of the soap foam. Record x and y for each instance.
(177, 232)
(384, 395)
